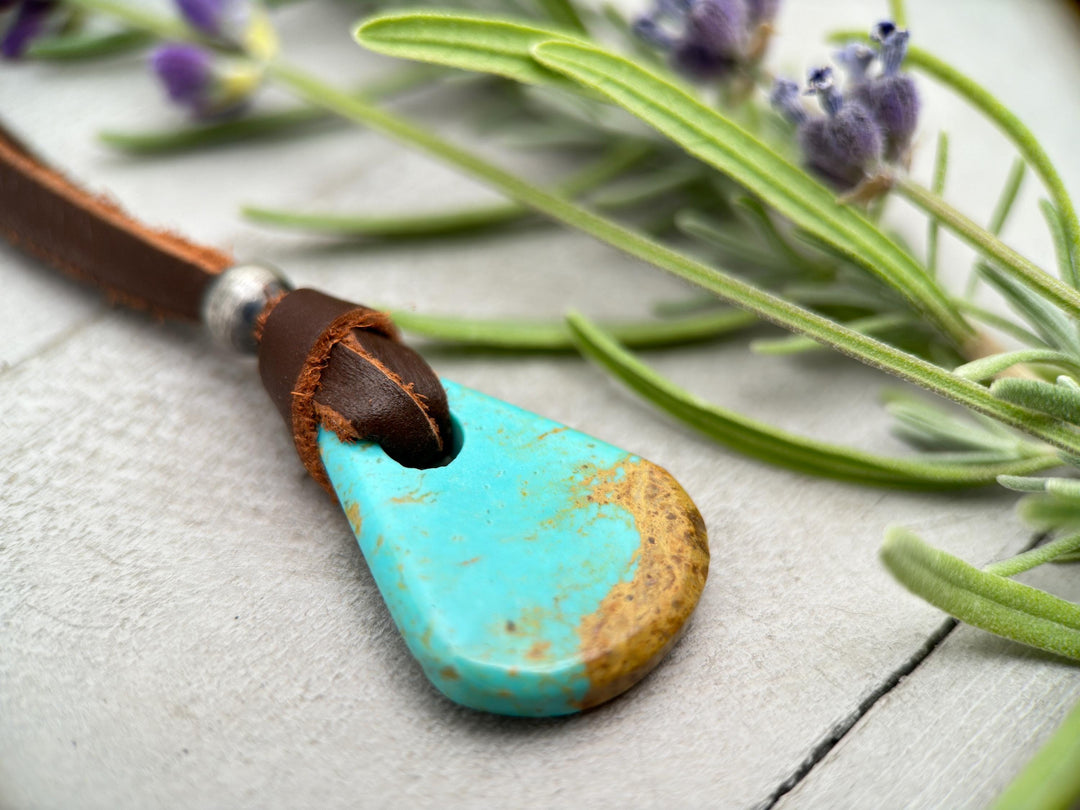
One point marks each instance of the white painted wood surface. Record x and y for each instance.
(185, 619)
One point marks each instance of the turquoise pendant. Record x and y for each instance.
(540, 572)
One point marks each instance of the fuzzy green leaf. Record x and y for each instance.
(463, 40)
(1056, 400)
(986, 368)
(775, 446)
(987, 601)
(526, 335)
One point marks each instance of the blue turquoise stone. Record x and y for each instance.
(539, 572)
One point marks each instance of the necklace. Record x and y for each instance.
(531, 569)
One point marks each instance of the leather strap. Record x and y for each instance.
(327, 362)
(323, 361)
(92, 239)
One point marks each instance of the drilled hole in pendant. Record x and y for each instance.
(453, 446)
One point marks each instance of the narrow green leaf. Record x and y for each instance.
(1057, 232)
(1056, 400)
(733, 244)
(941, 165)
(1053, 326)
(87, 45)
(1001, 213)
(259, 125)
(988, 367)
(445, 223)
(1008, 197)
(463, 40)
(775, 446)
(797, 344)
(716, 140)
(1002, 324)
(416, 226)
(1022, 483)
(1049, 512)
(255, 126)
(1062, 547)
(1023, 270)
(924, 424)
(987, 601)
(759, 215)
(642, 188)
(140, 18)
(526, 335)
(1051, 780)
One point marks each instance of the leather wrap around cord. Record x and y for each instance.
(323, 361)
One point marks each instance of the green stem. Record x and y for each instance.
(1035, 557)
(764, 304)
(525, 335)
(149, 21)
(457, 221)
(898, 13)
(1008, 260)
(941, 164)
(767, 443)
(82, 45)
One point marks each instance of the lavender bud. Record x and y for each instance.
(894, 42)
(187, 72)
(196, 80)
(893, 101)
(843, 147)
(649, 30)
(710, 37)
(700, 63)
(820, 82)
(219, 18)
(855, 58)
(785, 99)
(717, 25)
(892, 98)
(30, 19)
(762, 11)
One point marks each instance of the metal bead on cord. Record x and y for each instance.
(236, 298)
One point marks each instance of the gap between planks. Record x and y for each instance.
(841, 729)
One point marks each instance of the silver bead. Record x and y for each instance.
(235, 299)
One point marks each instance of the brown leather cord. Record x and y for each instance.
(323, 361)
(328, 362)
(92, 239)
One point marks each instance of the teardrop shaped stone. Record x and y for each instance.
(540, 572)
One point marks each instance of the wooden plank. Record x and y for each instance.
(185, 617)
(959, 730)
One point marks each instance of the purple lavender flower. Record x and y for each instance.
(892, 97)
(218, 18)
(30, 19)
(856, 59)
(705, 39)
(197, 80)
(843, 146)
(762, 12)
(785, 97)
